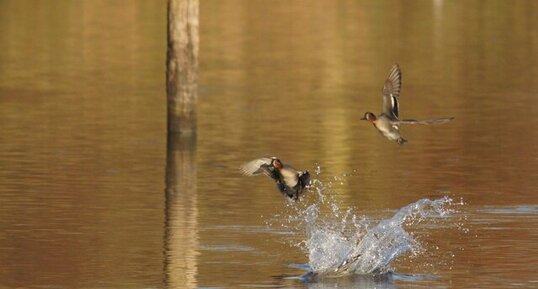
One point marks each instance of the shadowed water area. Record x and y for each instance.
(93, 195)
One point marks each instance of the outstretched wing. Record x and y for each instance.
(391, 92)
(440, 120)
(256, 167)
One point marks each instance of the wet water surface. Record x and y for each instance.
(93, 194)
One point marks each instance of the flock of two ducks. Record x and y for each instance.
(291, 182)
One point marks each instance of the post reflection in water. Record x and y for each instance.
(385, 281)
(181, 213)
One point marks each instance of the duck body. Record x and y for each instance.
(389, 128)
(290, 182)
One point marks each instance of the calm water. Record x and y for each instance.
(91, 195)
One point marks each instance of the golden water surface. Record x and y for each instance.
(91, 195)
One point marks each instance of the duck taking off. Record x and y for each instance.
(289, 181)
(388, 122)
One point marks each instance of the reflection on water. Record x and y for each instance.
(181, 213)
(348, 282)
(83, 148)
(513, 210)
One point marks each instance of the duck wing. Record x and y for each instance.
(439, 120)
(257, 166)
(391, 92)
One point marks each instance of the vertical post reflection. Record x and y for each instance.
(181, 213)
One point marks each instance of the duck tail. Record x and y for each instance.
(401, 141)
(304, 178)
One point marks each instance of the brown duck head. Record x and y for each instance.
(369, 117)
(277, 164)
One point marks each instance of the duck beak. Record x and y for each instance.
(363, 118)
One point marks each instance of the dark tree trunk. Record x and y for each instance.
(182, 65)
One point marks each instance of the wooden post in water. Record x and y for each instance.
(181, 209)
(182, 65)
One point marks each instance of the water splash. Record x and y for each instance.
(370, 250)
(341, 242)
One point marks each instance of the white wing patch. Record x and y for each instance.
(394, 105)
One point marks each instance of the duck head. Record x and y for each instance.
(277, 164)
(369, 117)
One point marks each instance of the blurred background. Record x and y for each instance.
(83, 147)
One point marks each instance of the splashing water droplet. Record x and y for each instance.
(338, 242)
